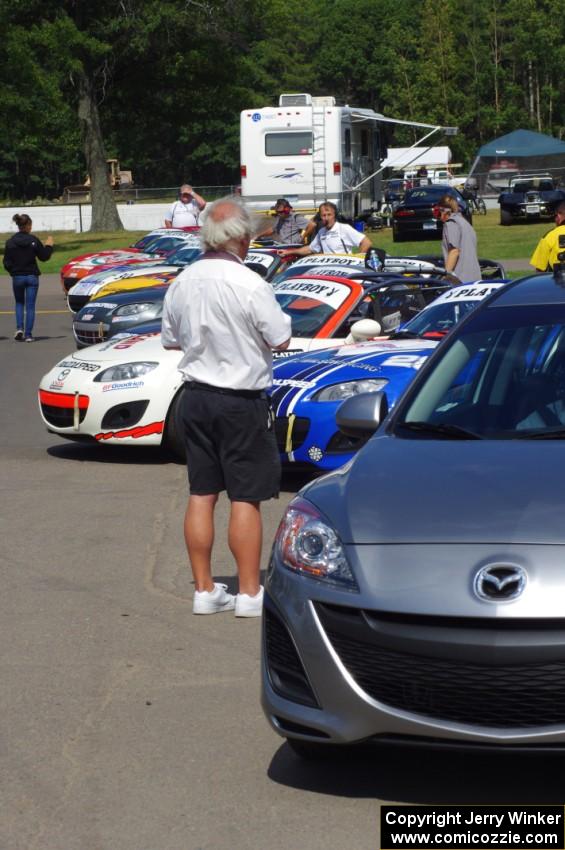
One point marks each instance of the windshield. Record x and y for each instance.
(142, 243)
(183, 255)
(432, 194)
(332, 265)
(262, 264)
(310, 302)
(307, 315)
(438, 319)
(501, 377)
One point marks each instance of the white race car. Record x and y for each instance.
(123, 391)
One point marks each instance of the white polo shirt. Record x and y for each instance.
(183, 215)
(226, 319)
(341, 239)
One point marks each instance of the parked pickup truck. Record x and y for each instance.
(530, 197)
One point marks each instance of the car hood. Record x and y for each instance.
(447, 491)
(346, 361)
(121, 348)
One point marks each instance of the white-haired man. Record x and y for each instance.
(226, 320)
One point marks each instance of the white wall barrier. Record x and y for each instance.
(77, 217)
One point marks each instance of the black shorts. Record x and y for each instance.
(230, 445)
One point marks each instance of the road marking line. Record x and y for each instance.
(37, 312)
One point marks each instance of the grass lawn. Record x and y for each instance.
(69, 245)
(516, 242)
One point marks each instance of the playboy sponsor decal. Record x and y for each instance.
(331, 260)
(264, 260)
(333, 294)
(470, 293)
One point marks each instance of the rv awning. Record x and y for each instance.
(401, 158)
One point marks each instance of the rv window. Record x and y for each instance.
(364, 143)
(288, 144)
(347, 144)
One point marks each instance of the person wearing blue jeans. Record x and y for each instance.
(20, 261)
(25, 287)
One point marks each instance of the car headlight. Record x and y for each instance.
(306, 544)
(339, 392)
(125, 371)
(148, 307)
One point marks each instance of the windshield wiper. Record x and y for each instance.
(450, 432)
(546, 434)
(404, 335)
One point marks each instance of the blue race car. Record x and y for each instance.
(309, 388)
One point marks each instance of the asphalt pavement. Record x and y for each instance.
(128, 723)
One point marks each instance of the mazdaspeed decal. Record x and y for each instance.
(79, 364)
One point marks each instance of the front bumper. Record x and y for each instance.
(320, 444)
(335, 670)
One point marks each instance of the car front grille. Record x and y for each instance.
(90, 334)
(59, 409)
(291, 431)
(503, 695)
(68, 282)
(286, 673)
(75, 302)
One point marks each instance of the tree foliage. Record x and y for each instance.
(165, 80)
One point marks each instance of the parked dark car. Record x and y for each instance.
(530, 197)
(417, 217)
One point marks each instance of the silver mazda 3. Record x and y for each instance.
(419, 591)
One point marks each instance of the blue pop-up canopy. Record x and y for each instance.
(522, 151)
(523, 143)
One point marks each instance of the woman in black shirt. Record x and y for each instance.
(20, 261)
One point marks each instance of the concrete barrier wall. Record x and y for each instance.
(77, 217)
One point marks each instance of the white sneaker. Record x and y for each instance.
(249, 606)
(213, 601)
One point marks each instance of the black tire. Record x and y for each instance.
(481, 207)
(505, 217)
(174, 436)
(398, 237)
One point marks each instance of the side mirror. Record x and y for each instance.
(361, 415)
(375, 259)
(364, 329)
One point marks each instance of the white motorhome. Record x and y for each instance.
(308, 149)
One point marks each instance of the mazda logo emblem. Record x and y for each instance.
(500, 582)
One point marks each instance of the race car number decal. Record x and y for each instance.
(411, 361)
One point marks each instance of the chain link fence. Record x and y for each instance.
(138, 194)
